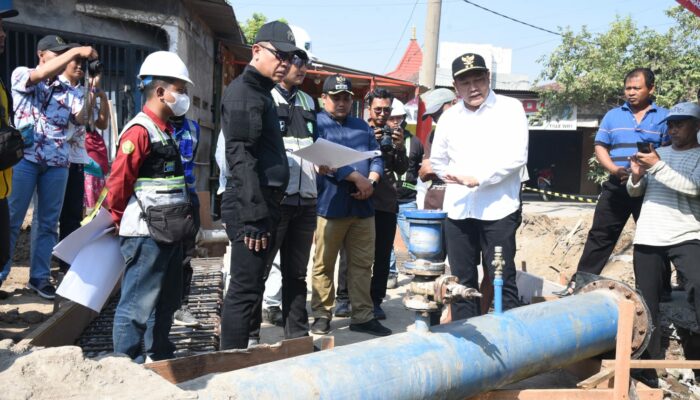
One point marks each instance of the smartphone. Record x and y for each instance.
(644, 147)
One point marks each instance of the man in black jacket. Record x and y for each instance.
(257, 163)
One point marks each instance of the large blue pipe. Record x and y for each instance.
(453, 361)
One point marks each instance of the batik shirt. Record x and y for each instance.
(46, 108)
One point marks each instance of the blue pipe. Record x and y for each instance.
(454, 361)
(498, 295)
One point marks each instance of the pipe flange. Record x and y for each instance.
(419, 302)
(642, 326)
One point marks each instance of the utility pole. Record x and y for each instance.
(430, 47)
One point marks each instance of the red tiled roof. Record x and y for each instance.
(410, 63)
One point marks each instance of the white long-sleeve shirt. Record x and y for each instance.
(489, 144)
(671, 208)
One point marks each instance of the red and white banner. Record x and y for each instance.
(692, 5)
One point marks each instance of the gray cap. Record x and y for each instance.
(435, 99)
(683, 111)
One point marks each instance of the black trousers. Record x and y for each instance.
(385, 228)
(189, 251)
(4, 231)
(468, 240)
(247, 277)
(72, 211)
(650, 276)
(611, 214)
(295, 234)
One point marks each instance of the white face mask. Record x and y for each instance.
(180, 105)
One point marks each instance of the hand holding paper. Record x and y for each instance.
(333, 155)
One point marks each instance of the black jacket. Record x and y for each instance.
(385, 197)
(255, 152)
(406, 184)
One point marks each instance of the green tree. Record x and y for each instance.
(589, 67)
(253, 24)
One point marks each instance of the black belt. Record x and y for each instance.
(273, 195)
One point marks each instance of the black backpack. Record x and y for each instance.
(11, 142)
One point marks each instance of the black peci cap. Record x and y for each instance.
(468, 62)
(337, 83)
(279, 35)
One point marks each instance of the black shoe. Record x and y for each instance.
(321, 326)
(342, 308)
(568, 290)
(378, 312)
(183, 317)
(44, 289)
(373, 327)
(273, 315)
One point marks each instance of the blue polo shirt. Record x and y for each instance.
(334, 200)
(619, 132)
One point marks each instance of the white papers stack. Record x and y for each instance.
(96, 262)
(324, 152)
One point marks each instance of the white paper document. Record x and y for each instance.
(96, 262)
(324, 152)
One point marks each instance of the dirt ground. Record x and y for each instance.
(550, 241)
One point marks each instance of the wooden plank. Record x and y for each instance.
(623, 349)
(651, 364)
(644, 393)
(595, 380)
(63, 328)
(186, 368)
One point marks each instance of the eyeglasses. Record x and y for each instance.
(382, 110)
(300, 62)
(280, 55)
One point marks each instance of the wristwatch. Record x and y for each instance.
(374, 183)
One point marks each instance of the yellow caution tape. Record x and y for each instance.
(562, 195)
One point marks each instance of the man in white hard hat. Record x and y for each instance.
(147, 185)
(257, 161)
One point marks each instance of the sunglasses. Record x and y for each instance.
(382, 110)
(280, 55)
(300, 62)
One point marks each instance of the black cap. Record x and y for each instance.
(468, 62)
(54, 43)
(337, 83)
(279, 34)
(7, 10)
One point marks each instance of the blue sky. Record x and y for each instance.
(363, 34)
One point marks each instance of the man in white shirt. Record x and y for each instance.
(480, 150)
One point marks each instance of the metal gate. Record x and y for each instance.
(121, 61)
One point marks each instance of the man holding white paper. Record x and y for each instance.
(345, 213)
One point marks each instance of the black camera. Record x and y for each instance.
(95, 67)
(386, 143)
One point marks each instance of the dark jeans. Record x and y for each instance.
(72, 210)
(385, 228)
(650, 277)
(150, 294)
(246, 278)
(295, 233)
(189, 251)
(4, 232)
(465, 240)
(611, 214)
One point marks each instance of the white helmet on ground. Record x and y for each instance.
(397, 108)
(164, 63)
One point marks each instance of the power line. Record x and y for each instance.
(511, 18)
(401, 38)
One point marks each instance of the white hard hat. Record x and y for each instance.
(397, 108)
(164, 63)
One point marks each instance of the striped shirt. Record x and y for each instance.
(619, 131)
(671, 208)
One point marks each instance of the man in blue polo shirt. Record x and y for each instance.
(345, 214)
(639, 119)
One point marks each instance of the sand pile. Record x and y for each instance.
(63, 373)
